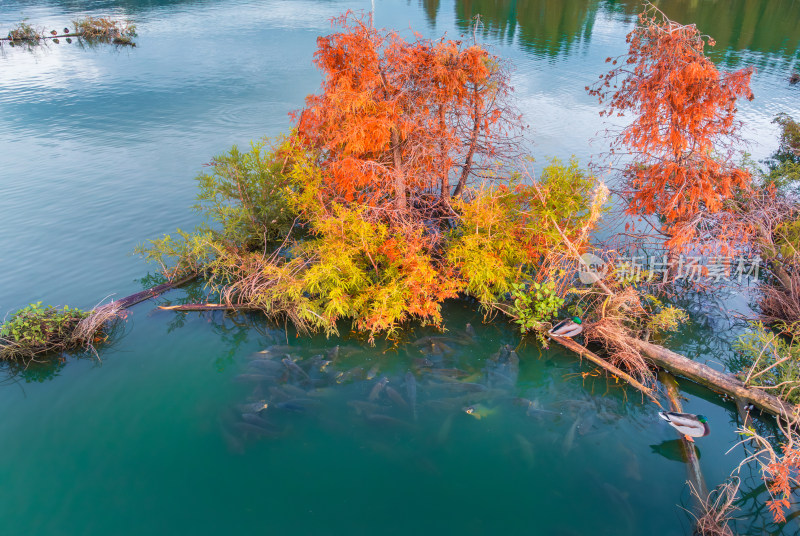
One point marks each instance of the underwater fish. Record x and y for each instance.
(253, 407)
(462, 386)
(277, 394)
(422, 363)
(526, 450)
(247, 430)
(532, 408)
(376, 390)
(249, 378)
(278, 349)
(373, 372)
(470, 330)
(433, 352)
(234, 444)
(479, 411)
(257, 420)
(364, 408)
(569, 439)
(454, 373)
(295, 368)
(265, 365)
(385, 420)
(396, 397)
(411, 392)
(501, 354)
(623, 507)
(294, 391)
(444, 430)
(444, 404)
(355, 373)
(290, 405)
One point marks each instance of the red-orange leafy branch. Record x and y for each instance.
(397, 122)
(680, 140)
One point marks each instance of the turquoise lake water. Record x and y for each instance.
(98, 150)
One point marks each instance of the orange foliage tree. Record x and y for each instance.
(397, 122)
(680, 141)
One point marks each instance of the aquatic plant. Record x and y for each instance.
(35, 330)
(534, 305)
(24, 32)
(684, 115)
(105, 30)
(765, 360)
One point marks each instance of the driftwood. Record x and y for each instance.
(597, 360)
(689, 452)
(711, 378)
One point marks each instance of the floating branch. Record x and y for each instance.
(91, 29)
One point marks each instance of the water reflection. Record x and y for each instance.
(555, 27)
(550, 27)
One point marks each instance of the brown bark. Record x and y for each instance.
(473, 142)
(711, 378)
(443, 155)
(399, 178)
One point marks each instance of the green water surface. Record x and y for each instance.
(98, 150)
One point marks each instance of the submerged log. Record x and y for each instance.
(711, 378)
(689, 452)
(597, 360)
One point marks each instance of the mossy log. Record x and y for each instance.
(711, 378)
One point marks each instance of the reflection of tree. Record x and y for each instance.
(431, 8)
(547, 26)
(498, 17)
(553, 27)
(33, 372)
(769, 26)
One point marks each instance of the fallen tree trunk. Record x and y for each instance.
(597, 360)
(711, 378)
(133, 299)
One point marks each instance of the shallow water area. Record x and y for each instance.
(99, 147)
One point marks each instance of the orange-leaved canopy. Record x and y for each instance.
(681, 139)
(397, 120)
